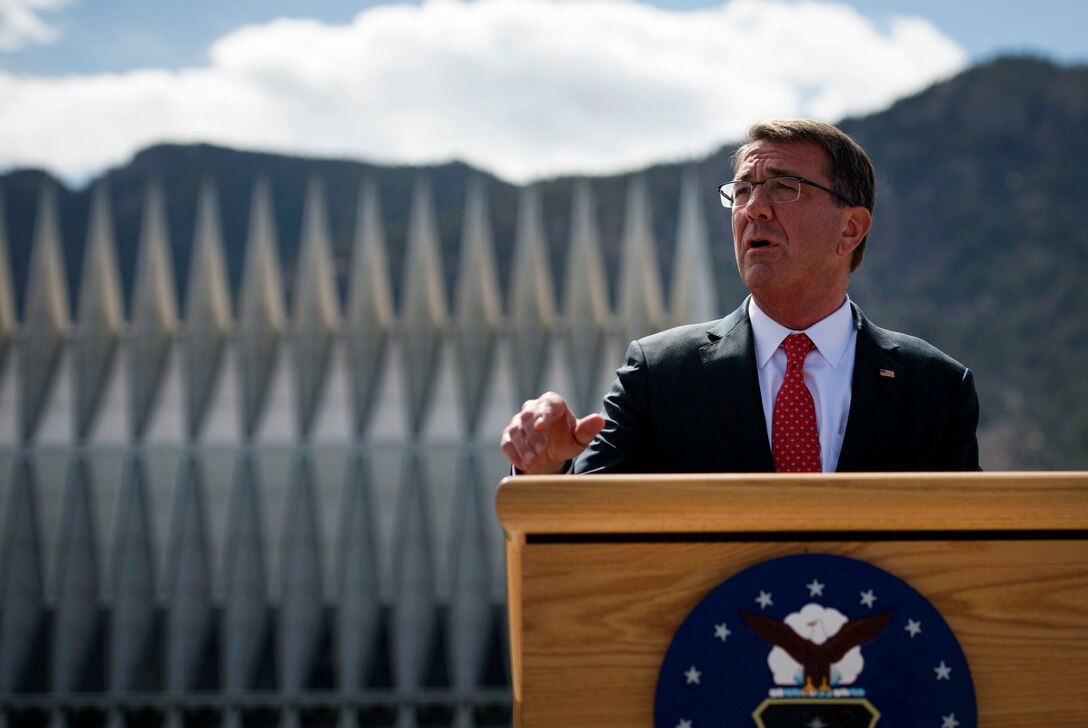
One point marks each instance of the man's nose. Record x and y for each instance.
(759, 205)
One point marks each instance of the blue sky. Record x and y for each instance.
(121, 35)
(525, 88)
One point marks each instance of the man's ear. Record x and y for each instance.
(856, 223)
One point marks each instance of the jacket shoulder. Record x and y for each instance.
(691, 337)
(913, 349)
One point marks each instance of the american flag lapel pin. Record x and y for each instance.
(887, 373)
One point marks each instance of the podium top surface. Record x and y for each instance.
(773, 503)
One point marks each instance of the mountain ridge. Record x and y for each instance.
(980, 242)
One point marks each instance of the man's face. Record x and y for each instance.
(793, 248)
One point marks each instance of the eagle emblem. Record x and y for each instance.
(813, 642)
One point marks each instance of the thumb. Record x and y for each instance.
(588, 428)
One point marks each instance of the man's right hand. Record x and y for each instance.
(545, 434)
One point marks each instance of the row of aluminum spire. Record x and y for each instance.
(286, 363)
(284, 517)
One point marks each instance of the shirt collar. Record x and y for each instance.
(831, 335)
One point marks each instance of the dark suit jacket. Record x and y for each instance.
(687, 400)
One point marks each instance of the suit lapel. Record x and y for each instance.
(877, 385)
(730, 365)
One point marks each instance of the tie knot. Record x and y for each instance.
(797, 347)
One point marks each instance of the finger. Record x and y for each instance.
(525, 450)
(529, 465)
(513, 437)
(588, 428)
(550, 407)
(506, 444)
(511, 454)
(523, 431)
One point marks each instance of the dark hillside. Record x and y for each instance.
(982, 244)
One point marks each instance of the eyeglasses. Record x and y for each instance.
(778, 189)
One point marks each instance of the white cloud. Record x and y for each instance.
(20, 24)
(524, 88)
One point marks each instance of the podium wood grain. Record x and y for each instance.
(603, 570)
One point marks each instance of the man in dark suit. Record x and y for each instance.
(796, 379)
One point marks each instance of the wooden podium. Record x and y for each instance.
(602, 570)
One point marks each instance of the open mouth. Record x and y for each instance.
(759, 244)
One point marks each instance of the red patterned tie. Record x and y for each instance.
(795, 443)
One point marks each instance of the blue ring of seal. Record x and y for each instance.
(914, 673)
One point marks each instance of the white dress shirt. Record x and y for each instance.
(829, 371)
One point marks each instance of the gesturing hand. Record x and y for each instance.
(545, 434)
